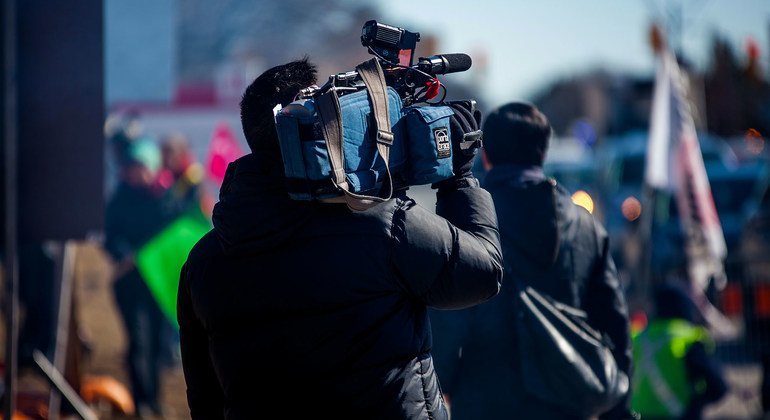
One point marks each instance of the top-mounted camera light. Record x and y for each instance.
(394, 44)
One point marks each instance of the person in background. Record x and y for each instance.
(548, 243)
(134, 214)
(755, 251)
(181, 176)
(675, 376)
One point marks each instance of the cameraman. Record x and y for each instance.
(321, 309)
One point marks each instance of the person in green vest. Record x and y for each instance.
(675, 375)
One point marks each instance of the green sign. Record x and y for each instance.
(160, 260)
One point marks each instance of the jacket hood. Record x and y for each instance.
(530, 223)
(254, 211)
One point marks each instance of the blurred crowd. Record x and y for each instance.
(157, 184)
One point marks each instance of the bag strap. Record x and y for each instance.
(331, 117)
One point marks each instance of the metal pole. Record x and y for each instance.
(56, 379)
(644, 280)
(65, 267)
(10, 274)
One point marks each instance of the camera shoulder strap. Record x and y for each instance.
(331, 118)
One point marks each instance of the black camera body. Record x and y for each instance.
(394, 48)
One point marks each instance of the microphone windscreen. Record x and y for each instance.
(457, 62)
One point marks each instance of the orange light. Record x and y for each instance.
(582, 199)
(631, 209)
(755, 143)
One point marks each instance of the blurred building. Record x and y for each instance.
(140, 60)
(612, 103)
(196, 52)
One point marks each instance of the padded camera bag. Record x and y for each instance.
(356, 147)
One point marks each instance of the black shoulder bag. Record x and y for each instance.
(564, 361)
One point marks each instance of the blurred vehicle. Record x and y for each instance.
(574, 167)
(755, 243)
(736, 199)
(734, 190)
(751, 298)
(622, 162)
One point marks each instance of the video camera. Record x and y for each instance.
(369, 132)
(394, 47)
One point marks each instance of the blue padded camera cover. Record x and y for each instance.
(429, 145)
(305, 157)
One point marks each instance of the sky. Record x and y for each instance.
(531, 43)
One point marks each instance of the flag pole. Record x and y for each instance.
(649, 196)
(644, 280)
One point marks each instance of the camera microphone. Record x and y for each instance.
(444, 63)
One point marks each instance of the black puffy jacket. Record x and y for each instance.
(309, 310)
(549, 245)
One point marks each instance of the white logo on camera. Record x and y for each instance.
(443, 146)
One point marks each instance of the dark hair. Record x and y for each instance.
(672, 300)
(278, 85)
(516, 133)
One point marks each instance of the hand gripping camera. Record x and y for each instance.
(370, 131)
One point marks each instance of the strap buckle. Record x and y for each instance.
(472, 140)
(385, 137)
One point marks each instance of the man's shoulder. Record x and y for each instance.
(378, 220)
(206, 248)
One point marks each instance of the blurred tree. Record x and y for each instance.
(737, 96)
(611, 102)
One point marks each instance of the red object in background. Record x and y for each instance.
(752, 49)
(762, 300)
(732, 300)
(223, 149)
(195, 94)
(638, 322)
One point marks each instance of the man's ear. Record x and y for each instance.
(485, 160)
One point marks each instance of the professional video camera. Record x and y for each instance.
(373, 128)
(394, 47)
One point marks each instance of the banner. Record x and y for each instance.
(675, 164)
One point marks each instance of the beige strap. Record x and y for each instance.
(331, 118)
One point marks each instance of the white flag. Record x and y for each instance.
(675, 164)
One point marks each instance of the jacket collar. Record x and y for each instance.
(512, 174)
